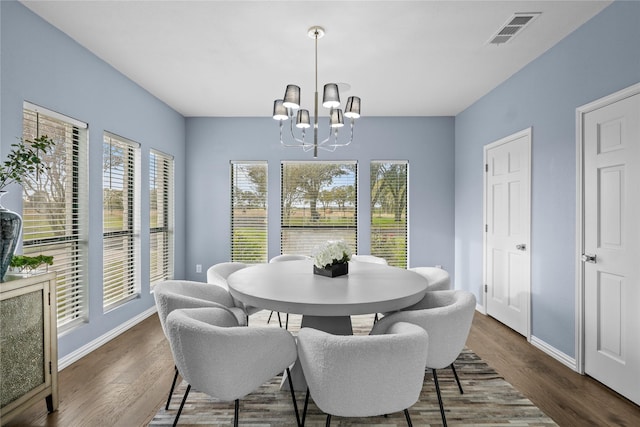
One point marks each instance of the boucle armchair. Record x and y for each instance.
(438, 279)
(369, 258)
(362, 376)
(284, 258)
(446, 316)
(217, 274)
(216, 356)
(175, 294)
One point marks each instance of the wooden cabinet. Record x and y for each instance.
(28, 344)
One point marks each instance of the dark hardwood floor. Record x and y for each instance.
(124, 382)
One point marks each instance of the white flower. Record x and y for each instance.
(331, 252)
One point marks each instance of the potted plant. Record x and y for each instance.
(30, 264)
(331, 259)
(22, 161)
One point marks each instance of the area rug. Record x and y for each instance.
(488, 400)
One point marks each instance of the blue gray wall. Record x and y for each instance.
(426, 142)
(44, 66)
(599, 58)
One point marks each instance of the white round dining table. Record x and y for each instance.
(327, 303)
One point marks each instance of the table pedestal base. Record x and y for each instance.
(338, 325)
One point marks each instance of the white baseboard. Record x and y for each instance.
(550, 350)
(91, 346)
(561, 357)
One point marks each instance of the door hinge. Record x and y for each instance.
(486, 288)
(486, 167)
(50, 369)
(49, 297)
(486, 228)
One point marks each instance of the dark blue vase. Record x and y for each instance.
(10, 228)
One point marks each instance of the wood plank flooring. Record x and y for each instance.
(124, 382)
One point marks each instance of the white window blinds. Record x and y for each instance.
(120, 220)
(55, 209)
(389, 211)
(161, 224)
(249, 212)
(319, 203)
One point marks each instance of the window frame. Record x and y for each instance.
(72, 272)
(253, 254)
(334, 230)
(131, 234)
(166, 229)
(403, 259)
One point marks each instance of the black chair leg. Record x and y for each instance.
(435, 380)
(173, 385)
(306, 403)
(328, 420)
(286, 323)
(269, 319)
(455, 374)
(293, 397)
(236, 413)
(279, 320)
(408, 417)
(184, 399)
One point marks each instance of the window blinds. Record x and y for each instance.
(55, 209)
(389, 211)
(120, 220)
(318, 203)
(161, 208)
(249, 212)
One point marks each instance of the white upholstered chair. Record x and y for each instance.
(363, 376)
(369, 258)
(438, 279)
(217, 274)
(283, 258)
(216, 356)
(289, 257)
(171, 295)
(447, 317)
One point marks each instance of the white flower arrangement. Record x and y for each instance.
(331, 252)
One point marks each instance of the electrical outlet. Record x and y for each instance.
(198, 268)
(438, 266)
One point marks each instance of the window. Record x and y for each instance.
(160, 216)
(120, 220)
(55, 209)
(389, 211)
(249, 212)
(318, 204)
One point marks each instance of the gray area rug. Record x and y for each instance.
(488, 400)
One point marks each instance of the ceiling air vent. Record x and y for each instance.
(513, 26)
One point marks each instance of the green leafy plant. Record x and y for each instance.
(24, 160)
(29, 263)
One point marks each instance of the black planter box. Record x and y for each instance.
(334, 270)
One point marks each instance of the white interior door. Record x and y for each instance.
(507, 230)
(611, 244)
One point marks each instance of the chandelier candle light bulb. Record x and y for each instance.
(285, 109)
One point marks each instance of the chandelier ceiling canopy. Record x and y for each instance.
(286, 108)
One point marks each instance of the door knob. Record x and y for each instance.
(521, 247)
(589, 258)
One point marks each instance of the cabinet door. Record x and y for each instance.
(25, 348)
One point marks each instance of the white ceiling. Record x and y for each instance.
(233, 58)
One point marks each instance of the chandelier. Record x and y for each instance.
(285, 109)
